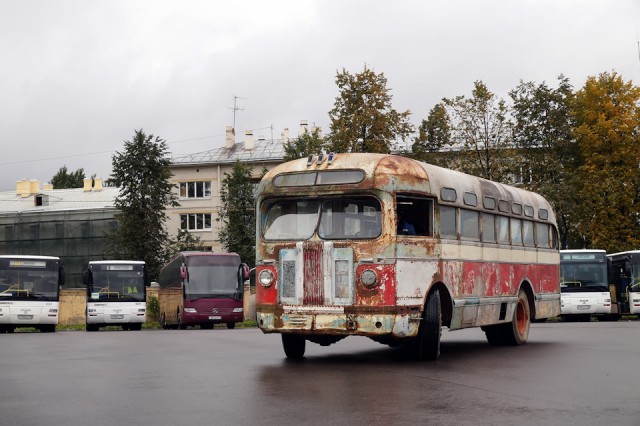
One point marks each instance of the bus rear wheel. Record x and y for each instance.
(427, 345)
(513, 333)
(293, 345)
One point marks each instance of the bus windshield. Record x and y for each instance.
(117, 282)
(28, 279)
(582, 275)
(209, 276)
(332, 218)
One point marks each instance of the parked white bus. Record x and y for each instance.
(584, 285)
(30, 292)
(116, 294)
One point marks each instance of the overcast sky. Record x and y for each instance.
(78, 77)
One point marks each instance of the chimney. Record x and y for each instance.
(303, 127)
(248, 141)
(97, 184)
(47, 187)
(34, 186)
(23, 188)
(285, 134)
(87, 184)
(230, 140)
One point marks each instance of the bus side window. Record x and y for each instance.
(415, 211)
(448, 222)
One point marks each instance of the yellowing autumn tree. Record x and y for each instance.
(607, 118)
(362, 119)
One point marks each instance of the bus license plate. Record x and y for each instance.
(25, 317)
(583, 307)
(215, 317)
(121, 316)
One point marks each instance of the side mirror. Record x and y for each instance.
(245, 271)
(145, 275)
(252, 277)
(183, 272)
(61, 280)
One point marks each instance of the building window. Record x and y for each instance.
(200, 189)
(195, 221)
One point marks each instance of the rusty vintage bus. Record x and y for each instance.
(333, 259)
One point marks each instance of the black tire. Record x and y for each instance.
(293, 345)
(231, 325)
(494, 334)
(91, 327)
(428, 340)
(126, 327)
(181, 326)
(163, 321)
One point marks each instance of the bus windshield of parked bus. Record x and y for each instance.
(334, 218)
(583, 272)
(212, 276)
(29, 279)
(111, 281)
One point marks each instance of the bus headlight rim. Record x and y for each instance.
(368, 278)
(265, 277)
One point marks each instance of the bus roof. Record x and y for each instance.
(23, 256)
(583, 251)
(392, 172)
(116, 262)
(625, 253)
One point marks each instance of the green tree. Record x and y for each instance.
(63, 179)
(362, 119)
(434, 137)
(481, 134)
(306, 143)
(607, 118)
(237, 213)
(186, 241)
(141, 171)
(548, 155)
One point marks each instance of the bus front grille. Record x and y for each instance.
(316, 274)
(313, 277)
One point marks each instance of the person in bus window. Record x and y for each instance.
(404, 226)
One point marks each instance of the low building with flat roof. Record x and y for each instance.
(68, 223)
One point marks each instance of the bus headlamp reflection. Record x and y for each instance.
(265, 277)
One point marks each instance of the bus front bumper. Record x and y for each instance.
(330, 320)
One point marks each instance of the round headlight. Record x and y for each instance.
(265, 277)
(368, 278)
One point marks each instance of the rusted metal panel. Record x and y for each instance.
(384, 293)
(313, 274)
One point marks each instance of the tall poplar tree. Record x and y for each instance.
(547, 153)
(362, 119)
(481, 134)
(141, 171)
(607, 115)
(434, 137)
(237, 213)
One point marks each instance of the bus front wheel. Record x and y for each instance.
(428, 340)
(293, 345)
(231, 325)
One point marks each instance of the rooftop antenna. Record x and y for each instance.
(235, 108)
